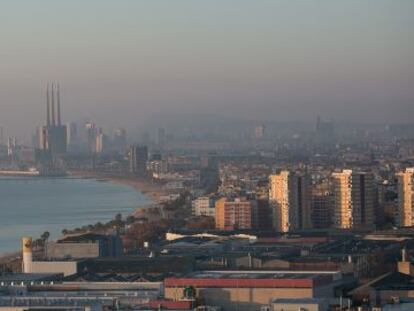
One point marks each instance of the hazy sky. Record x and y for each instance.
(122, 62)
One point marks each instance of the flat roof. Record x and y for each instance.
(268, 279)
(297, 300)
(30, 277)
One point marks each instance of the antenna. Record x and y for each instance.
(47, 106)
(53, 106)
(58, 105)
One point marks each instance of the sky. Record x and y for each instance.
(120, 63)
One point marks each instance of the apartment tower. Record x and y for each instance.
(289, 201)
(405, 197)
(354, 196)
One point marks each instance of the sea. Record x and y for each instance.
(30, 206)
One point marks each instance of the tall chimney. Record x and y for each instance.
(27, 254)
(47, 106)
(53, 106)
(58, 105)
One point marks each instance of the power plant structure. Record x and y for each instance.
(53, 136)
(27, 254)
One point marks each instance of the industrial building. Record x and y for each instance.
(53, 136)
(84, 246)
(124, 265)
(248, 290)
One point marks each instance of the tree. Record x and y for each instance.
(45, 236)
(118, 217)
(201, 222)
(130, 220)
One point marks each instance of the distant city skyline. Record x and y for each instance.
(122, 63)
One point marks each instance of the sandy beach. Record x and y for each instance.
(151, 190)
(152, 211)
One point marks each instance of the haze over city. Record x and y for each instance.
(127, 62)
(207, 155)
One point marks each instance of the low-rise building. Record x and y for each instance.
(248, 290)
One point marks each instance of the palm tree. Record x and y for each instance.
(45, 236)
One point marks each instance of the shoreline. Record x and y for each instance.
(150, 190)
(152, 211)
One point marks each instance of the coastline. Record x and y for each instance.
(150, 210)
(151, 190)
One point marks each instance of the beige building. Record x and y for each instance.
(289, 200)
(30, 266)
(203, 206)
(405, 197)
(249, 290)
(354, 196)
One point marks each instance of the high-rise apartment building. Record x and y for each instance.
(354, 197)
(235, 214)
(289, 200)
(138, 157)
(321, 205)
(71, 135)
(92, 132)
(259, 132)
(102, 143)
(405, 213)
(120, 140)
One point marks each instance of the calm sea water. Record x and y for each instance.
(30, 206)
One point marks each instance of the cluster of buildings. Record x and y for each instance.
(298, 221)
(217, 270)
(306, 198)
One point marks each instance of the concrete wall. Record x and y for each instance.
(65, 267)
(72, 250)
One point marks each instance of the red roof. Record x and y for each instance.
(245, 282)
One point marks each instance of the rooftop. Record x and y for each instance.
(30, 277)
(259, 279)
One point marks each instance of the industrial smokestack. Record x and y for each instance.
(47, 106)
(53, 106)
(27, 254)
(58, 106)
